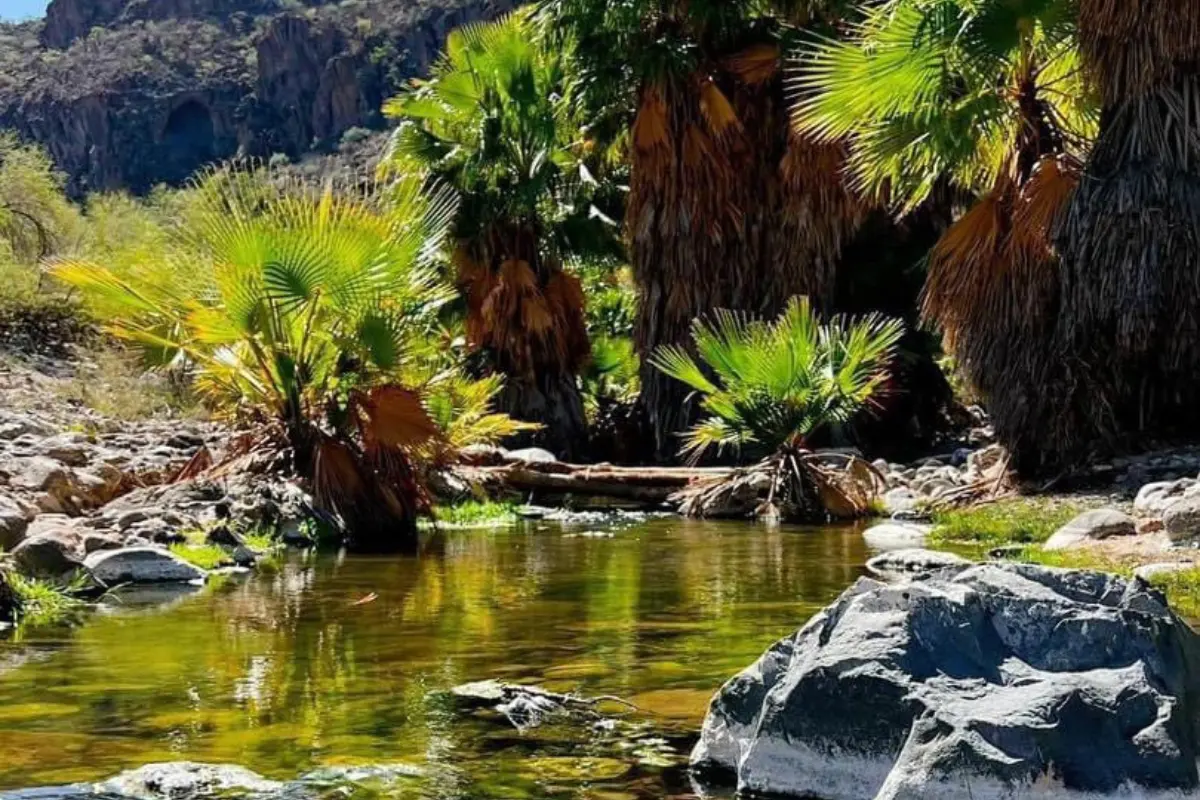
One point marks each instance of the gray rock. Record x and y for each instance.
(52, 554)
(999, 681)
(13, 524)
(891, 536)
(1154, 499)
(1091, 526)
(185, 781)
(1182, 519)
(915, 561)
(141, 565)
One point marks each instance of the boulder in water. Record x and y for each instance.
(141, 565)
(185, 780)
(990, 681)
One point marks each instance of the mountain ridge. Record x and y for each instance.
(128, 94)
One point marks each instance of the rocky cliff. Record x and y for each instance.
(132, 93)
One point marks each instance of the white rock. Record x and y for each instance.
(894, 536)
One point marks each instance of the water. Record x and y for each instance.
(326, 662)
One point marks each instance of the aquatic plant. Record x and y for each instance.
(768, 388)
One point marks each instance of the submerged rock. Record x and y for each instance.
(994, 681)
(186, 780)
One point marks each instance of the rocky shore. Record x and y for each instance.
(86, 495)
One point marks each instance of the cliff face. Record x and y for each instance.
(132, 93)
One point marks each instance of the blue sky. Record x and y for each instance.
(21, 9)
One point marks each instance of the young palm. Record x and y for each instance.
(769, 387)
(500, 121)
(728, 208)
(299, 313)
(984, 102)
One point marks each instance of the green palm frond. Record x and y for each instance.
(775, 384)
(937, 90)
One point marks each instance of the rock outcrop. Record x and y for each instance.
(133, 93)
(989, 681)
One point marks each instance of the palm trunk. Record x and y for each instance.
(554, 402)
(526, 316)
(726, 210)
(1130, 325)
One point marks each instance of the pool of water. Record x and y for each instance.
(345, 661)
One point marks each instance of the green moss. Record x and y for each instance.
(474, 514)
(204, 556)
(1006, 522)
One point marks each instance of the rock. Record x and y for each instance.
(995, 681)
(1182, 519)
(141, 565)
(533, 455)
(95, 542)
(1153, 499)
(1145, 527)
(220, 534)
(1148, 572)
(243, 556)
(13, 524)
(1092, 526)
(52, 554)
(186, 781)
(914, 561)
(41, 474)
(72, 449)
(893, 536)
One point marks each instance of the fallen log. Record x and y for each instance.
(639, 484)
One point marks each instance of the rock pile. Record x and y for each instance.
(76, 486)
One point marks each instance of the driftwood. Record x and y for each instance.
(638, 484)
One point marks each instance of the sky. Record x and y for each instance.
(21, 9)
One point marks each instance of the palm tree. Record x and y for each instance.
(300, 312)
(501, 122)
(728, 208)
(983, 102)
(770, 388)
(1131, 238)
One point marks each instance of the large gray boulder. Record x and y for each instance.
(141, 565)
(991, 681)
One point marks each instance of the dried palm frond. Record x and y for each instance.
(793, 486)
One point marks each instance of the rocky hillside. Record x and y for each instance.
(132, 93)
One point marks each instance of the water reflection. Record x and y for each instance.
(302, 668)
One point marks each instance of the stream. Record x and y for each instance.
(326, 663)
